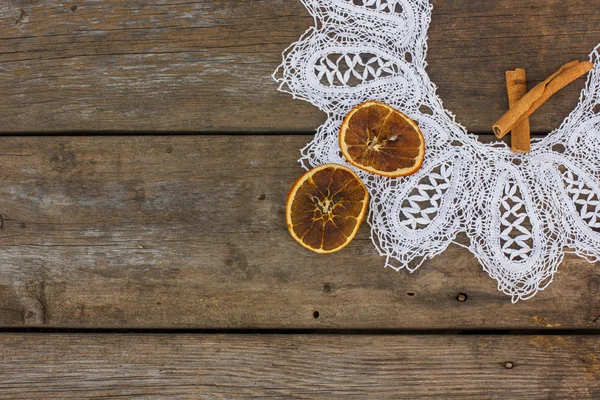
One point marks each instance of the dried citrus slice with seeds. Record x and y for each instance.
(381, 140)
(325, 208)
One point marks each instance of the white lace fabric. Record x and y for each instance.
(521, 212)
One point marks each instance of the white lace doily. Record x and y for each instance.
(520, 211)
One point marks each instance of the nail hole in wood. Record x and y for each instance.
(22, 17)
(411, 294)
(462, 297)
(316, 314)
(327, 288)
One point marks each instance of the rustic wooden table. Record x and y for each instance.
(144, 166)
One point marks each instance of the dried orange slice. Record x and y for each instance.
(325, 208)
(381, 140)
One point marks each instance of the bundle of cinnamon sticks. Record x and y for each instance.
(522, 103)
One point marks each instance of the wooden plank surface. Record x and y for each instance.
(299, 367)
(189, 232)
(125, 65)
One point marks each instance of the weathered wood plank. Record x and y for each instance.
(166, 232)
(299, 367)
(205, 65)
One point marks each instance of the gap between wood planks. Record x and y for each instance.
(328, 332)
(109, 134)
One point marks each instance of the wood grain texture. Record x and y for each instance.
(125, 65)
(189, 232)
(299, 367)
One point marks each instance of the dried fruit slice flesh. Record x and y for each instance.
(325, 208)
(379, 139)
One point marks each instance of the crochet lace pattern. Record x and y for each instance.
(521, 212)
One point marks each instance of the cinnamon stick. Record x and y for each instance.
(516, 86)
(539, 94)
